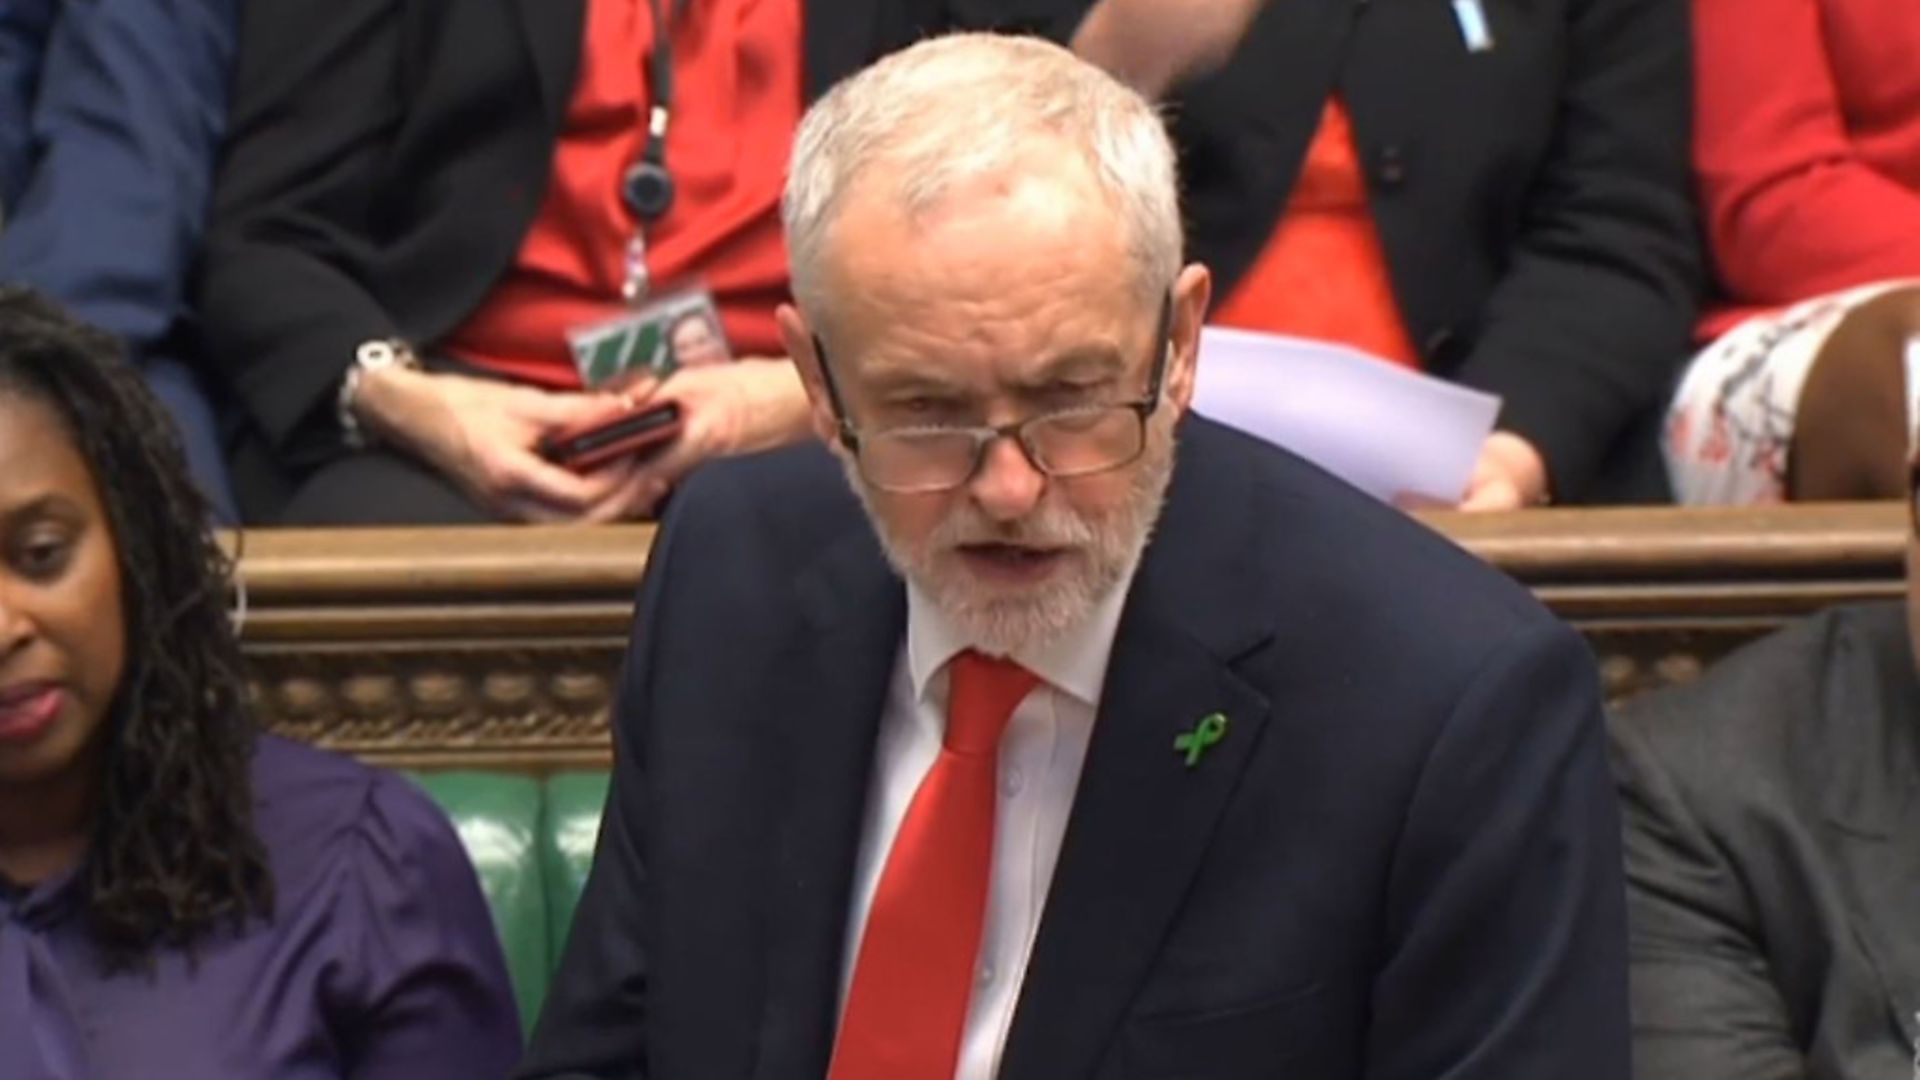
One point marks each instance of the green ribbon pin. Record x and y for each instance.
(1208, 731)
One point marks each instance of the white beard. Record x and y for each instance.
(1099, 554)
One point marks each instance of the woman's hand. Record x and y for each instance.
(725, 409)
(482, 434)
(1153, 44)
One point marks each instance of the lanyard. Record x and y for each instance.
(647, 186)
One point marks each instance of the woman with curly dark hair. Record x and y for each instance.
(181, 896)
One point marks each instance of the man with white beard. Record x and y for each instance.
(1105, 742)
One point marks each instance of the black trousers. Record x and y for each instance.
(380, 487)
(368, 487)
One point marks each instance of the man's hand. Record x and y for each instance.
(739, 408)
(1509, 475)
(481, 434)
(1153, 44)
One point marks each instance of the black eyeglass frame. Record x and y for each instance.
(986, 435)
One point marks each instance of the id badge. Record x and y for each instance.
(670, 332)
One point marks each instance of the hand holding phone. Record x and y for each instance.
(646, 429)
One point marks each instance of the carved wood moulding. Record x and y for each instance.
(416, 703)
(500, 647)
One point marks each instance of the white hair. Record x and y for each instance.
(957, 108)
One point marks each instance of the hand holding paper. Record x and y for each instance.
(1509, 475)
(1386, 430)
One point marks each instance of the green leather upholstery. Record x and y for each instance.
(500, 818)
(574, 802)
(532, 843)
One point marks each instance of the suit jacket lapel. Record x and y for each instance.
(555, 31)
(1142, 817)
(1281, 74)
(1248, 125)
(828, 691)
(1869, 739)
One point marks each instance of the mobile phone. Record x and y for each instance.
(584, 448)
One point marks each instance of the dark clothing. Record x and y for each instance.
(375, 486)
(380, 961)
(1773, 858)
(111, 114)
(364, 488)
(386, 160)
(1402, 861)
(1533, 199)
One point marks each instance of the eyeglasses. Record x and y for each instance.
(1061, 444)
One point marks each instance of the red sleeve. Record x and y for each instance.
(1792, 211)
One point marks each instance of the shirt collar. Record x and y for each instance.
(1075, 663)
(47, 903)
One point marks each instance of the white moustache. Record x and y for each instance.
(1049, 526)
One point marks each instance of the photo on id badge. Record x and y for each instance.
(671, 332)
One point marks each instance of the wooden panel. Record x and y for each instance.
(501, 646)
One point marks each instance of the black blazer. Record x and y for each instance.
(1773, 858)
(1533, 200)
(384, 162)
(1401, 863)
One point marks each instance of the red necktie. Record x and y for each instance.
(914, 976)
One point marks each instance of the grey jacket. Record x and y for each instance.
(1773, 858)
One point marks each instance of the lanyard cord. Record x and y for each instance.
(661, 75)
(648, 185)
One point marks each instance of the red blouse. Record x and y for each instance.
(1323, 273)
(1806, 146)
(737, 74)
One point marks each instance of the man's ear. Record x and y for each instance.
(797, 335)
(1192, 292)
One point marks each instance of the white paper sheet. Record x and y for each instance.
(1382, 428)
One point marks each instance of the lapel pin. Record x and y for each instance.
(1474, 28)
(1211, 729)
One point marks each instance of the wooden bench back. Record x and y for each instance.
(500, 647)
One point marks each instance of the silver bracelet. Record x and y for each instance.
(370, 356)
(352, 432)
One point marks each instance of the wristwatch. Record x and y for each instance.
(370, 356)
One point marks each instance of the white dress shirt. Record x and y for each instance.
(1040, 758)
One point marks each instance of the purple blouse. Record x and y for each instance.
(380, 959)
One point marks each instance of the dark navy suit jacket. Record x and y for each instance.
(1401, 863)
(111, 113)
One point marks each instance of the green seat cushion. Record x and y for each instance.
(574, 802)
(500, 819)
